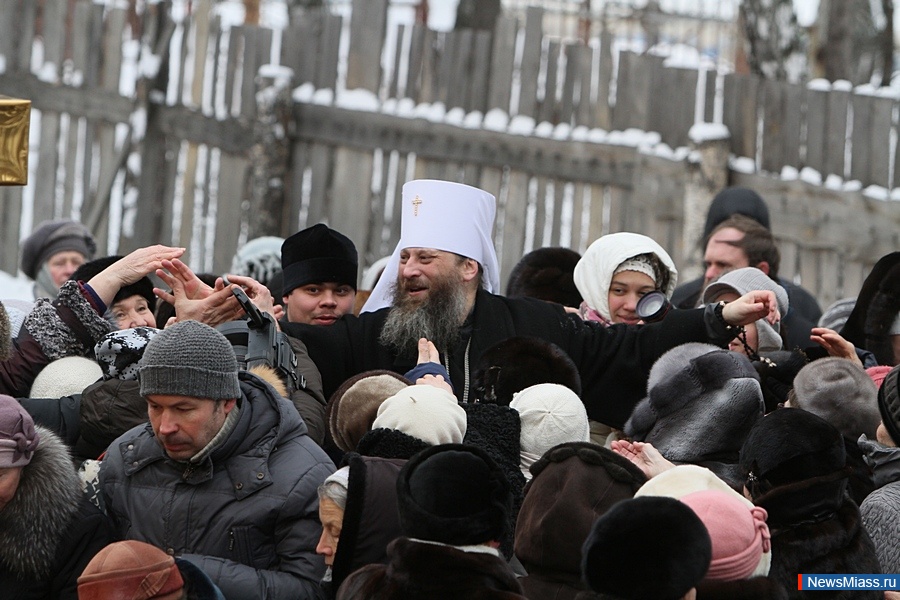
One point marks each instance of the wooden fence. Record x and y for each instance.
(209, 149)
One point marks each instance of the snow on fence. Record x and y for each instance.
(179, 130)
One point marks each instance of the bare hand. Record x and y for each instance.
(835, 344)
(257, 292)
(131, 268)
(435, 381)
(178, 275)
(428, 352)
(751, 307)
(643, 455)
(219, 307)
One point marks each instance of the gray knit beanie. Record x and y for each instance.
(190, 359)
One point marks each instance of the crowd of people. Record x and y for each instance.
(598, 431)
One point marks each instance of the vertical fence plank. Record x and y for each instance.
(460, 70)
(773, 126)
(583, 56)
(328, 54)
(479, 79)
(568, 102)
(603, 114)
(548, 106)
(515, 212)
(836, 132)
(26, 31)
(10, 220)
(531, 61)
(792, 110)
(416, 62)
(394, 87)
(861, 137)
(9, 34)
(233, 172)
(880, 142)
(502, 63)
(816, 125)
(368, 25)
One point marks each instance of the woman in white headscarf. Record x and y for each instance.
(616, 271)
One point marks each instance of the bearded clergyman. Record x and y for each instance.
(441, 284)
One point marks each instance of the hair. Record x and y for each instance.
(334, 491)
(479, 278)
(758, 242)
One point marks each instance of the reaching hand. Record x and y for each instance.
(435, 381)
(751, 307)
(258, 294)
(835, 344)
(428, 352)
(129, 269)
(643, 455)
(179, 276)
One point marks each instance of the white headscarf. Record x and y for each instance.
(595, 270)
(447, 216)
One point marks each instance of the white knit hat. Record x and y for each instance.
(447, 216)
(65, 376)
(425, 412)
(686, 479)
(551, 414)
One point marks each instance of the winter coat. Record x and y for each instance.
(755, 588)
(613, 361)
(247, 515)
(371, 519)
(68, 326)
(49, 532)
(425, 571)
(573, 485)
(309, 399)
(838, 544)
(881, 509)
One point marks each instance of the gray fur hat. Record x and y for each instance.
(840, 392)
(190, 359)
(701, 403)
(52, 237)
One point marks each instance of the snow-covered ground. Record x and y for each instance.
(13, 288)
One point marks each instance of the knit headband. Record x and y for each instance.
(642, 264)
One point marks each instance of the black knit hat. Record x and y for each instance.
(646, 548)
(143, 287)
(889, 403)
(736, 201)
(453, 494)
(51, 237)
(546, 274)
(318, 254)
(519, 362)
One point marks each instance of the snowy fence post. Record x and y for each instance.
(708, 167)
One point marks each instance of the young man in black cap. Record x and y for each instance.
(319, 266)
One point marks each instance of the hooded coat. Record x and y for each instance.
(247, 515)
(49, 531)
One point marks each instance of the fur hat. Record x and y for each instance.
(550, 414)
(318, 254)
(259, 258)
(131, 569)
(52, 237)
(65, 377)
(354, 406)
(840, 392)
(795, 466)
(425, 412)
(740, 537)
(453, 494)
(572, 485)
(143, 287)
(546, 274)
(646, 548)
(701, 403)
(889, 403)
(869, 331)
(190, 359)
(520, 362)
(18, 439)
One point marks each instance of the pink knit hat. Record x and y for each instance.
(739, 534)
(18, 439)
(878, 374)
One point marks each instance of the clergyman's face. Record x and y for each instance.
(319, 303)
(422, 269)
(185, 425)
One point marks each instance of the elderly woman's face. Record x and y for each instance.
(9, 483)
(332, 518)
(62, 265)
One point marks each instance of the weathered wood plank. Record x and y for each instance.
(816, 125)
(367, 33)
(232, 66)
(320, 180)
(460, 69)
(502, 63)
(232, 190)
(26, 31)
(861, 137)
(9, 35)
(248, 72)
(548, 106)
(567, 159)
(48, 161)
(558, 202)
(597, 217)
(531, 61)
(603, 113)
(10, 221)
(479, 79)
(567, 101)
(773, 126)
(418, 57)
(54, 37)
(880, 142)
(836, 133)
(538, 199)
(329, 52)
(583, 57)
(352, 180)
(394, 87)
(515, 210)
(300, 158)
(794, 98)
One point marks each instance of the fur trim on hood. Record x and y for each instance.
(37, 518)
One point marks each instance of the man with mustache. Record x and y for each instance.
(441, 284)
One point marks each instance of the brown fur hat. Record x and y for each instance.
(352, 408)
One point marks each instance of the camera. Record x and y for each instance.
(653, 307)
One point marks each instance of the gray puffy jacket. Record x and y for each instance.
(247, 516)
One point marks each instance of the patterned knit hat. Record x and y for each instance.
(132, 570)
(18, 439)
(119, 352)
(190, 359)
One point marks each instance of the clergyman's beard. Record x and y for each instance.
(437, 318)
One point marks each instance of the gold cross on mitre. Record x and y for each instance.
(416, 202)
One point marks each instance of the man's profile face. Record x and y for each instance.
(722, 256)
(184, 425)
(319, 303)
